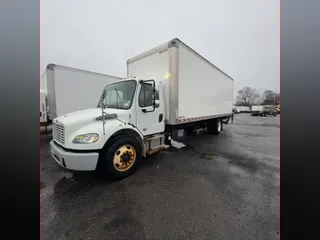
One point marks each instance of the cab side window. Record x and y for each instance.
(146, 95)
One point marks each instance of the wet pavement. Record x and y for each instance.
(205, 187)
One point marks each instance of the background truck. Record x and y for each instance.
(236, 110)
(244, 109)
(169, 87)
(258, 110)
(66, 89)
(271, 110)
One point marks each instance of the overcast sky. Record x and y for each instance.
(239, 36)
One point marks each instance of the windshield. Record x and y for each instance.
(118, 95)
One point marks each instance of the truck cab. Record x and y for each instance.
(128, 123)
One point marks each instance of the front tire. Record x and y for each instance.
(121, 158)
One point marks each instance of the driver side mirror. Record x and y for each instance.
(156, 103)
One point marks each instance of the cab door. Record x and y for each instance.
(150, 109)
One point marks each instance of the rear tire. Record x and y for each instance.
(121, 158)
(214, 126)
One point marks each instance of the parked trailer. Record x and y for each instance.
(258, 110)
(137, 115)
(244, 109)
(66, 89)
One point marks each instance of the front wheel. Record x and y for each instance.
(121, 158)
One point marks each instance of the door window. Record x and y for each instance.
(146, 95)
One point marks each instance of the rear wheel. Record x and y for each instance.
(214, 126)
(121, 158)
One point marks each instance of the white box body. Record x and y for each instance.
(69, 89)
(257, 108)
(194, 89)
(244, 109)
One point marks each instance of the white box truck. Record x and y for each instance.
(65, 89)
(244, 109)
(169, 87)
(258, 110)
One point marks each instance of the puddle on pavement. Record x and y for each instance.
(236, 170)
(235, 162)
(251, 135)
(78, 182)
(208, 156)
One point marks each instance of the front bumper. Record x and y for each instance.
(72, 160)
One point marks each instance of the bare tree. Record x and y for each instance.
(247, 96)
(270, 97)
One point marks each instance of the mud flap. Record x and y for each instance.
(226, 121)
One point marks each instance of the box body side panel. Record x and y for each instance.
(204, 91)
(76, 90)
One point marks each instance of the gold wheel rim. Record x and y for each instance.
(124, 158)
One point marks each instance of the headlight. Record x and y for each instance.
(86, 138)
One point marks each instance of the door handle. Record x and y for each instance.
(160, 117)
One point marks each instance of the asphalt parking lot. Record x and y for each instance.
(206, 187)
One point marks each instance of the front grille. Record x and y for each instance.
(58, 133)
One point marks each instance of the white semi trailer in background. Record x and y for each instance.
(66, 89)
(169, 87)
(258, 110)
(244, 109)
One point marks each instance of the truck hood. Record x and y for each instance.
(82, 117)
